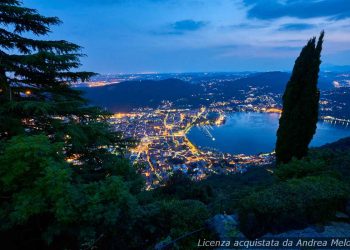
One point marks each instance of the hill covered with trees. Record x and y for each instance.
(136, 94)
(128, 95)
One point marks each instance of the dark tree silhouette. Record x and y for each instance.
(298, 122)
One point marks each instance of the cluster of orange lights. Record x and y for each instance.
(274, 110)
(122, 115)
(27, 92)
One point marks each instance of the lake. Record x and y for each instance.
(253, 133)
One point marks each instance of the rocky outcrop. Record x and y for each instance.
(226, 227)
(333, 230)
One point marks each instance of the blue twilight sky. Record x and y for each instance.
(199, 35)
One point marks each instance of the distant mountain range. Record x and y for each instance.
(274, 82)
(335, 68)
(127, 95)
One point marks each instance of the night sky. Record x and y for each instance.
(121, 36)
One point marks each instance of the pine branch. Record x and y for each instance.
(26, 19)
(9, 40)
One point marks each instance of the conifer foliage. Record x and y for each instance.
(35, 92)
(63, 180)
(298, 122)
(34, 74)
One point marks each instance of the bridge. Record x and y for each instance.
(335, 121)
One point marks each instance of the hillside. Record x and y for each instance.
(328, 162)
(133, 94)
(274, 82)
(270, 81)
(340, 145)
(127, 95)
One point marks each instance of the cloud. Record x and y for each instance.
(273, 9)
(181, 27)
(246, 26)
(296, 26)
(188, 25)
(187, 35)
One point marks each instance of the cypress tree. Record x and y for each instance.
(298, 122)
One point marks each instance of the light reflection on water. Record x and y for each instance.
(253, 133)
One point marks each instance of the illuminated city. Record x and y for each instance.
(164, 148)
(161, 132)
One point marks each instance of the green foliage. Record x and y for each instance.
(301, 168)
(292, 204)
(170, 219)
(337, 156)
(297, 124)
(32, 175)
(35, 90)
(39, 191)
(341, 164)
(306, 191)
(182, 187)
(229, 189)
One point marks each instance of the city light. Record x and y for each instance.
(164, 147)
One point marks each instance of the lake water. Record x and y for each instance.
(253, 133)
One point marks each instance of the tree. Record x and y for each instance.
(34, 74)
(36, 96)
(63, 178)
(43, 203)
(299, 118)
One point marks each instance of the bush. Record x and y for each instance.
(167, 220)
(300, 168)
(336, 156)
(229, 189)
(180, 186)
(44, 206)
(341, 164)
(291, 204)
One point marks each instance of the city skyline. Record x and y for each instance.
(196, 35)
